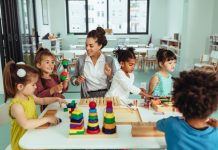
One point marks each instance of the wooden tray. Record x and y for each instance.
(101, 101)
(126, 115)
(164, 107)
(99, 135)
(51, 112)
(143, 129)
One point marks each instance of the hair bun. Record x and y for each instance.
(100, 30)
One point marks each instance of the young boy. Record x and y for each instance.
(196, 97)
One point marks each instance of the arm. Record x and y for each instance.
(213, 122)
(54, 87)
(152, 84)
(41, 91)
(120, 77)
(76, 74)
(65, 84)
(110, 67)
(48, 100)
(161, 125)
(18, 113)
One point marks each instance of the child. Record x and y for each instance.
(161, 82)
(196, 97)
(122, 83)
(20, 84)
(49, 84)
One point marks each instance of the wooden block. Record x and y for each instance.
(51, 112)
(143, 129)
(101, 101)
(126, 115)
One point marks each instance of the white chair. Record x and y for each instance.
(150, 60)
(208, 61)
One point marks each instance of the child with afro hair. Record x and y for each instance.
(196, 97)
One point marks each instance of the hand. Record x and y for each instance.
(212, 122)
(144, 94)
(57, 89)
(66, 81)
(61, 100)
(80, 80)
(108, 71)
(53, 120)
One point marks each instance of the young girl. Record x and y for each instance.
(161, 82)
(20, 84)
(196, 97)
(49, 84)
(122, 83)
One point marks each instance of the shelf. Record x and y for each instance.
(53, 44)
(213, 43)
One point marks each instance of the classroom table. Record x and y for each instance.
(57, 137)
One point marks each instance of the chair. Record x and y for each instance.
(150, 60)
(71, 57)
(208, 62)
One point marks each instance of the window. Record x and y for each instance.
(122, 16)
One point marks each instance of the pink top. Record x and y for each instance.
(44, 86)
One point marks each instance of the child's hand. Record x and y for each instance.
(53, 120)
(144, 94)
(108, 71)
(57, 89)
(80, 80)
(66, 81)
(212, 122)
(61, 101)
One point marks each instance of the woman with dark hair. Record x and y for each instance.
(94, 70)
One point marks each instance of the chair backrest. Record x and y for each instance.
(69, 55)
(205, 58)
(151, 53)
(4, 113)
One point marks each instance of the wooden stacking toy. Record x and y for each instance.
(65, 63)
(76, 119)
(93, 125)
(109, 124)
(63, 76)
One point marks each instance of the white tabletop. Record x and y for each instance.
(57, 137)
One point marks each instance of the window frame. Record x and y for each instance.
(128, 19)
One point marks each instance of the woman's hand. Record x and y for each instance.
(108, 71)
(80, 80)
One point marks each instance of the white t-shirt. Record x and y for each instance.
(94, 74)
(122, 86)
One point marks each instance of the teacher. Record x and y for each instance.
(94, 70)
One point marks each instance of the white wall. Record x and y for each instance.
(215, 18)
(174, 17)
(42, 29)
(197, 26)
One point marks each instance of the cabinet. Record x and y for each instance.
(53, 44)
(171, 44)
(213, 43)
